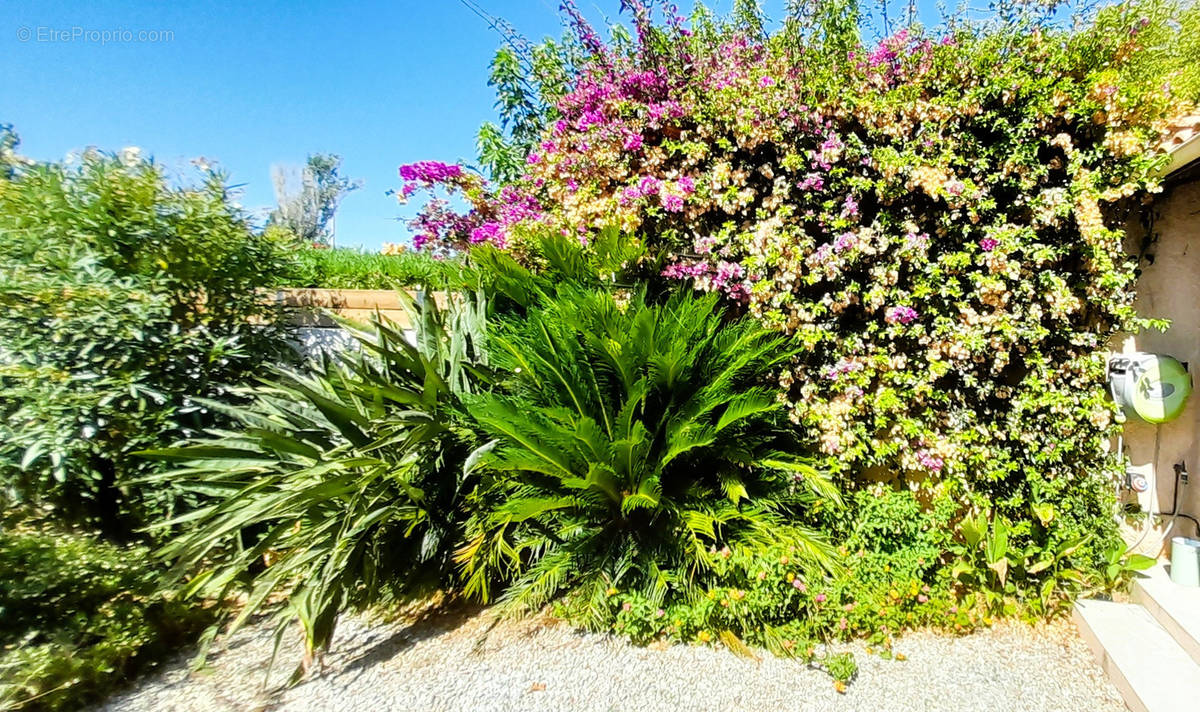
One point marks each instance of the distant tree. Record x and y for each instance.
(309, 197)
(8, 147)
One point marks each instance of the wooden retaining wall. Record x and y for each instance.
(312, 307)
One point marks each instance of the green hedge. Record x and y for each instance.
(345, 268)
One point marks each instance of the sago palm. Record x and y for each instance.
(630, 442)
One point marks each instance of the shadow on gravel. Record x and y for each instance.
(429, 623)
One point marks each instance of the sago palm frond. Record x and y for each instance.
(632, 442)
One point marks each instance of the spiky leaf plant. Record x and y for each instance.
(631, 442)
(340, 488)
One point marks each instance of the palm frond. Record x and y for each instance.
(643, 438)
(336, 476)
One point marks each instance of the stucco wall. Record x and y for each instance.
(1169, 288)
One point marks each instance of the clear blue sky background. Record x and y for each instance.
(252, 84)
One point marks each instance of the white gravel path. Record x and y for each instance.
(470, 663)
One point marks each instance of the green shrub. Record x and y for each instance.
(631, 441)
(340, 488)
(767, 597)
(343, 268)
(78, 616)
(906, 560)
(123, 300)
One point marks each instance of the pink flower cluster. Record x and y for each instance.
(517, 205)
(438, 226)
(812, 181)
(930, 462)
(843, 367)
(845, 241)
(900, 315)
(430, 172)
(726, 273)
(887, 60)
(850, 207)
(489, 232)
(672, 200)
(686, 270)
(917, 241)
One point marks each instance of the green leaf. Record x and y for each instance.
(1040, 566)
(746, 405)
(973, 529)
(1139, 562)
(733, 486)
(960, 568)
(32, 453)
(1044, 512)
(1001, 568)
(1069, 547)
(518, 510)
(997, 543)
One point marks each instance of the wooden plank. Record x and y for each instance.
(311, 316)
(308, 307)
(348, 298)
(340, 298)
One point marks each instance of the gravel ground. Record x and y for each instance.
(468, 662)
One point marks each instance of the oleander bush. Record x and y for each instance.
(78, 615)
(124, 300)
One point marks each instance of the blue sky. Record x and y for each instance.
(249, 85)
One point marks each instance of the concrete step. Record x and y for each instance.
(1152, 671)
(1175, 607)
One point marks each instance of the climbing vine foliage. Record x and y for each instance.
(936, 217)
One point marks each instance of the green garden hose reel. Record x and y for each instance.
(1151, 387)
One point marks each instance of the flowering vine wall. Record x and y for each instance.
(937, 218)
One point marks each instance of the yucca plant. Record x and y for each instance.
(340, 488)
(630, 443)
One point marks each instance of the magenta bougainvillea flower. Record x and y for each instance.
(430, 171)
(900, 315)
(931, 462)
(672, 203)
(488, 232)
